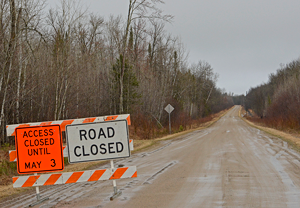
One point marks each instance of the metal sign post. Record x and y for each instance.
(38, 197)
(37, 189)
(169, 109)
(116, 192)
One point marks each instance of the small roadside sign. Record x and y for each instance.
(97, 141)
(169, 108)
(39, 149)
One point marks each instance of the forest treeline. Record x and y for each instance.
(278, 101)
(67, 63)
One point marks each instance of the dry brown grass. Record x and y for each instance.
(292, 138)
(214, 118)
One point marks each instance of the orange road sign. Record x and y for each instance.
(39, 149)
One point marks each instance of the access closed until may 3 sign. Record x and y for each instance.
(97, 141)
(39, 149)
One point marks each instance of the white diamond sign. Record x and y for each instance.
(169, 108)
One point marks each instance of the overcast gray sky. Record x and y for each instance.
(243, 40)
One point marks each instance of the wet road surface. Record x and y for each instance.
(229, 164)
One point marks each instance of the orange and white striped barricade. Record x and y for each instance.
(10, 129)
(74, 177)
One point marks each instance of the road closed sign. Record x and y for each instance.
(97, 141)
(39, 149)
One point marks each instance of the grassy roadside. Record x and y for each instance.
(139, 145)
(292, 139)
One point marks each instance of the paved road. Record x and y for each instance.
(229, 164)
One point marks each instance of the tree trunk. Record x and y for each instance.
(19, 83)
(9, 59)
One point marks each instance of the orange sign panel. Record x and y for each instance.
(39, 149)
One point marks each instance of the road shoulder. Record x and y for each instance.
(292, 140)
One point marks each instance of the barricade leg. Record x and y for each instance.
(37, 189)
(38, 197)
(116, 192)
